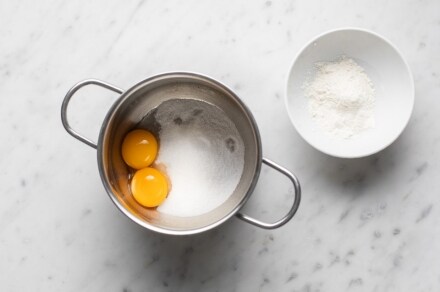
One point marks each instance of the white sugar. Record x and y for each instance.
(203, 154)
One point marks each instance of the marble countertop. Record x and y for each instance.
(368, 224)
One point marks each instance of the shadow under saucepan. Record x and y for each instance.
(186, 263)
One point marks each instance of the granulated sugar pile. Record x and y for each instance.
(341, 98)
(203, 154)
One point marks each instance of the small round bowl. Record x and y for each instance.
(387, 70)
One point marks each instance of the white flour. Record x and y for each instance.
(203, 155)
(341, 98)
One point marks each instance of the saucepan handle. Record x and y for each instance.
(293, 209)
(66, 101)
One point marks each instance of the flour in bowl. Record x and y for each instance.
(341, 98)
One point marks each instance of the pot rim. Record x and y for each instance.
(103, 132)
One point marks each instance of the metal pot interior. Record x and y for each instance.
(129, 110)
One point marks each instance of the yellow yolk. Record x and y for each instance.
(139, 149)
(149, 187)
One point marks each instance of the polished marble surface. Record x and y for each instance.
(369, 224)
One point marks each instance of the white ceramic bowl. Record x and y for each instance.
(387, 70)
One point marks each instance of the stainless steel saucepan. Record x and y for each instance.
(133, 105)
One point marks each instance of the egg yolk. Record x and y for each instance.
(149, 187)
(139, 149)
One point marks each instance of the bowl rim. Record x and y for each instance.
(361, 30)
